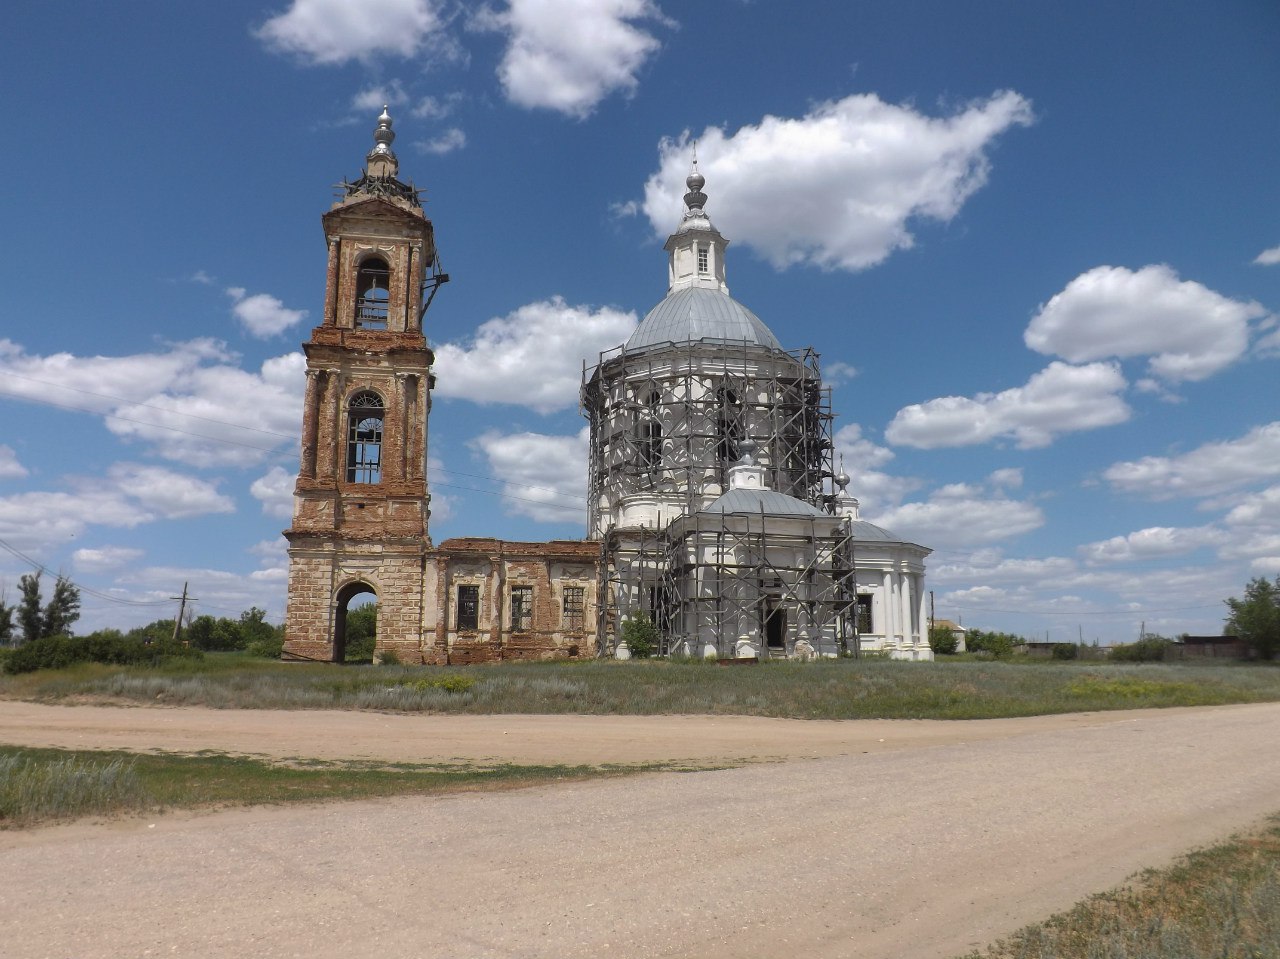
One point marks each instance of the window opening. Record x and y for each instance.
(468, 607)
(521, 608)
(728, 425)
(573, 605)
(649, 434)
(703, 266)
(864, 613)
(364, 438)
(372, 294)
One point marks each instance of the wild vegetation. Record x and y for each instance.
(39, 785)
(1256, 617)
(833, 689)
(1217, 902)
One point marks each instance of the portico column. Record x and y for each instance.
(890, 607)
(923, 610)
(904, 605)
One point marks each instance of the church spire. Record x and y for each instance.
(696, 249)
(382, 159)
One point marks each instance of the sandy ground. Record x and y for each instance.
(873, 839)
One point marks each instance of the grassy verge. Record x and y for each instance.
(42, 785)
(838, 689)
(1218, 902)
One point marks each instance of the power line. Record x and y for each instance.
(84, 589)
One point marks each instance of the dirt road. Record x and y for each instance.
(942, 837)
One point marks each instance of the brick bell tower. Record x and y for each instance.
(361, 503)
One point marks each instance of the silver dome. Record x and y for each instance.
(696, 314)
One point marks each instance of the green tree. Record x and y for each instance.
(62, 610)
(999, 645)
(942, 640)
(362, 632)
(6, 622)
(30, 615)
(1256, 617)
(641, 636)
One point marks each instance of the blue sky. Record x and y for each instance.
(1037, 245)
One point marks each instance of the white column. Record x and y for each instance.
(923, 609)
(890, 608)
(904, 598)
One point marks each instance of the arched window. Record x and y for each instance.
(364, 438)
(649, 432)
(728, 425)
(372, 294)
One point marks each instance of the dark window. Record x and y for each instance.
(372, 294)
(521, 608)
(864, 613)
(364, 438)
(468, 607)
(649, 433)
(728, 425)
(573, 603)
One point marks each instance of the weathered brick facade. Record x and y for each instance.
(361, 502)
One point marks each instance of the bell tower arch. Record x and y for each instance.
(361, 503)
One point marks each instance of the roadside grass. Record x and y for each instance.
(834, 689)
(1223, 901)
(43, 785)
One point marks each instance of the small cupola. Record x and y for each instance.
(696, 248)
(382, 159)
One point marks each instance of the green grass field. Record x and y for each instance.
(836, 689)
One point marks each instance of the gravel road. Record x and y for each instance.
(939, 839)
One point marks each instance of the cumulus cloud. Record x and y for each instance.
(568, 55)
(962, 515)
(1208, 469)
(10, 468)
(127, 496)
(837, 373)
(1257, 509)
(378, 96)
(839, 187)
(1188, 331)
(261, 314)
(336, 31)
(448, 141)
(1152, 543)
(201, 409)
(544, 477)
(1059, 399)
(531, 357)
(103, 559)
(437, 108)
(274, 490)
(860, 457)
(1269, 257)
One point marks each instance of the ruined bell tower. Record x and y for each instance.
(361, 503)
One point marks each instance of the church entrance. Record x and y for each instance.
(774, 626)
(354, 624)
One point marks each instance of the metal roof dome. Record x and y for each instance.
(694, 314)
(862, 530)
(766, 501)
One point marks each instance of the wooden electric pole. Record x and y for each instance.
(182, 608)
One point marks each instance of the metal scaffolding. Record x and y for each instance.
(667, 423)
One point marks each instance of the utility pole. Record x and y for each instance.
(182, 608)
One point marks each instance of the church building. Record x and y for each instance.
(714, 506)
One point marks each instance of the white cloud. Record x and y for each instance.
(448, 141)
(1059, 399)
(1189, 331)
(1212, 468)
(838, 187)
(1151, 543)
(10, 468)
(837, 373)
(987, 565)
(378, 96)
(544, 477)
(1008, 478)
(103, 559)
(1269, 257)
(127, 496)
(274, 490)
(335, 31)
(202, 409)
(261, 314)
(531, 357)
(1257, 509)
(875, 490)
(568, 55)
(962, 515)
(437, 108)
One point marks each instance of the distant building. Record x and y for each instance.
(714, 506)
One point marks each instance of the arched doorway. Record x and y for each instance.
(355, 623)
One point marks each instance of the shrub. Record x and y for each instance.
(943, 640)
(1149, 649)
(1066, 651)
(58, 652)
(641, 636)
(998, 645)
